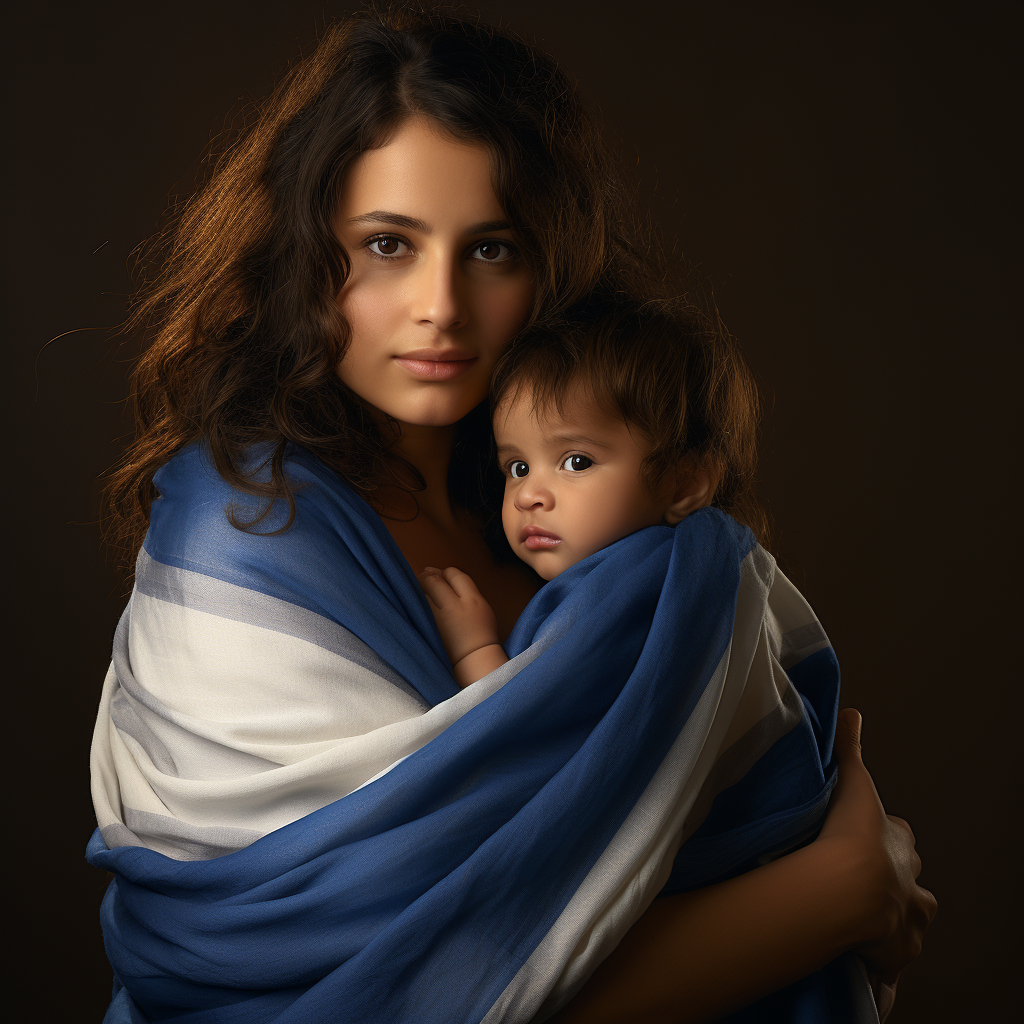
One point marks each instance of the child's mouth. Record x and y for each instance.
(537, 539)
(539, 543)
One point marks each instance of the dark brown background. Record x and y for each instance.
(841, 176)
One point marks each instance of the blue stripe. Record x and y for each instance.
(335, 552)
(420, 896)
(780, 800)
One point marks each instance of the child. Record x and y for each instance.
(634, 419)
(637, 417)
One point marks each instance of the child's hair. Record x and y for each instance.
(666, 369)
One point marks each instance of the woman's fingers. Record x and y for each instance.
(854, 809)
(852, 773)
(896, 910)
(915, 865)
(848, 728)
(930, 905)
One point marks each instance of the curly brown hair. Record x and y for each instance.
(240, 309)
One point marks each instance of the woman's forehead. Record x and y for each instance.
(422, 175)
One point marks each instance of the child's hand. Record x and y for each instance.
(464, 618)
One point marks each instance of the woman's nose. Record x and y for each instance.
(439, 299)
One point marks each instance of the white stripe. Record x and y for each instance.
(221, 728)
(637, 862)
(212, 724)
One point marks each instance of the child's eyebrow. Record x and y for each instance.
(581, 439)
(504, 450)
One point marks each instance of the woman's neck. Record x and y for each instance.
(429, 450)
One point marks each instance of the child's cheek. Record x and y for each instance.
(508, 515)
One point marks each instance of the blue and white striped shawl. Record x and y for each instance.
(308, 821)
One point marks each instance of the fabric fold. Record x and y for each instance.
(308, 821)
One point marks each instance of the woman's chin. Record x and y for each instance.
(438, 412)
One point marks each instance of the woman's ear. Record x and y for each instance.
(695, 488)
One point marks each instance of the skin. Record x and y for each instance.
(692, 957)
(432, 270)
(695, 957)
(576, 475)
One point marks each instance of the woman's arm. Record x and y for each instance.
(700, 955)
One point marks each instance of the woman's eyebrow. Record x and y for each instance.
(414, 224)
(385, 217)
(489, 225)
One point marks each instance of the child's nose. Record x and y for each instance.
(534, 496)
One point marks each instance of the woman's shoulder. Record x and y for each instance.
(190, 482)
(200, 522)
(208, 548)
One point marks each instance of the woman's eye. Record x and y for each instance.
(518, 470)
(386, 246)
(493, 252)
(577, 463)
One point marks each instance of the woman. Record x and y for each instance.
(416, 192)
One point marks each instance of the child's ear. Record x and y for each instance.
(695, 488)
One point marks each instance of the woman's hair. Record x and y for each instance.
(664, 367)
(245, 331)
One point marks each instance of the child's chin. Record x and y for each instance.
(549, 568)
(546, 568)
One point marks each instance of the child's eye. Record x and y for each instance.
(577, 463)
(518, 469)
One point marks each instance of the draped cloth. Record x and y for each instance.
(308, 821)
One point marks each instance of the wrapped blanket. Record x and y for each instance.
(308, 821)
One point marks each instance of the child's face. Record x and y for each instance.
(572, 482)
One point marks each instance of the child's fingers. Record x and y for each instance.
(435, 586)
(462, 583)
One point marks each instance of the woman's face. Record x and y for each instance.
(437, 286)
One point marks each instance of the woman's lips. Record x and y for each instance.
(436, 366)
(537, 539)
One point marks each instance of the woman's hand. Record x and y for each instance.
(892, 909)
(700, 955)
